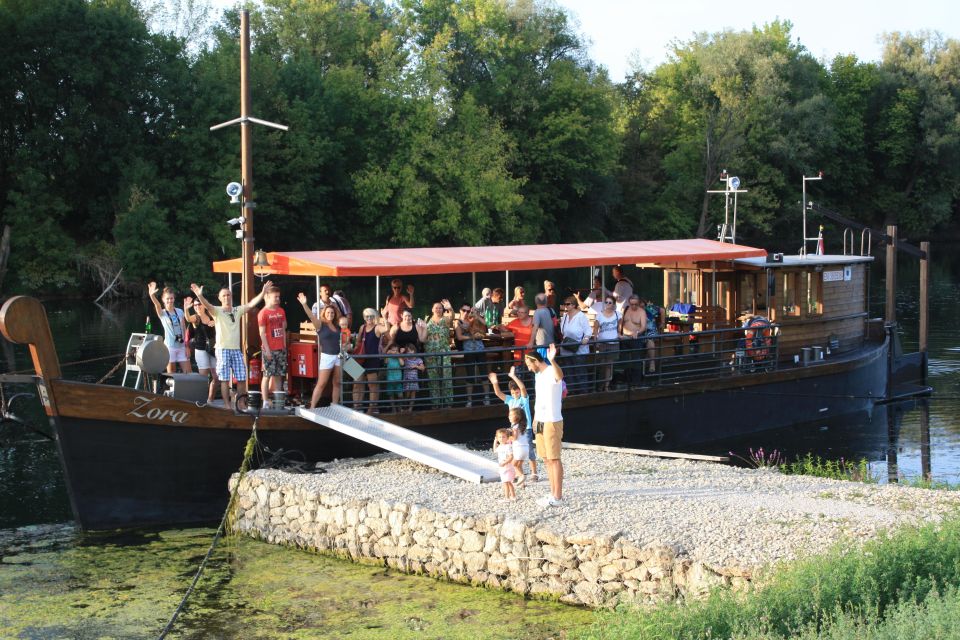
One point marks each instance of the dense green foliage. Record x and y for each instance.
(427, 122)
(869, 592)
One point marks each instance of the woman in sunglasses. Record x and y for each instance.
(368, 345)
(517, 302)
(397, 301)
(607, 332)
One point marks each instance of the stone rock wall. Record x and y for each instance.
(592, 569)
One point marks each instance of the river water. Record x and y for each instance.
(55, 582)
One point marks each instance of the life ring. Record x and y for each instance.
(758, 337)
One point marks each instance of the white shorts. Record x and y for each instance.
(178, 354)
(205, 360)
(521, 449)
(328, 361)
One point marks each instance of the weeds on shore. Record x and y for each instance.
(808, 465)
(882, 590)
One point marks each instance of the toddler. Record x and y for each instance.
(503, 445)
(521, 445)
(345, 334)
(394, 366)
(412, 366)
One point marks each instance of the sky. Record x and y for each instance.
(623, 33)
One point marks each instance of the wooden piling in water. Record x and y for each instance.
(890, 314)
(924, 306)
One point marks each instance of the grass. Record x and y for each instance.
(890, 584)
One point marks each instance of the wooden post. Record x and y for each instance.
(925, 467)
(891, 303)
(924, 306)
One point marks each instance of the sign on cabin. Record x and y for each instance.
(833, 276)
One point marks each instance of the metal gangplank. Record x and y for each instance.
(409, 444)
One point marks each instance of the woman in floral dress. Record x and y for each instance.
(439, 367)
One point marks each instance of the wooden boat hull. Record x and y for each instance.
(135, 459)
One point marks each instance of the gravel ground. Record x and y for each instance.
(723, 515)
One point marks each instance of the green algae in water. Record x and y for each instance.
(56, 583)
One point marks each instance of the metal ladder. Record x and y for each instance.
(409, 444)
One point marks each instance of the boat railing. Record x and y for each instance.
(460, 379)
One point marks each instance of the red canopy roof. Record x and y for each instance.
(435, 260)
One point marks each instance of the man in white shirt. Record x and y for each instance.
(547, 419)
(623, 289)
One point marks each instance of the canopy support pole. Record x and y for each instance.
(376, 293)
(230, 282)
(473, 279)
(506, 290)
(316, 284)
(603, 282)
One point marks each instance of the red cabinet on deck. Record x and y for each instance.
(303, 360)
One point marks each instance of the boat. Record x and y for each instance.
(149, 455)
(137, 457)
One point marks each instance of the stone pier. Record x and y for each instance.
(589, 568)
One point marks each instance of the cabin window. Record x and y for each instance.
(814, 289)
(680, 287)
(790, 294)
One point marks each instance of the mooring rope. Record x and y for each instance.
(112, 371)
(226, 526)
(73, 363)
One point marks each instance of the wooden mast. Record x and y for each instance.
(249, 329)
(249, 335)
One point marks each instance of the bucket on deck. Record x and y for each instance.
(278, 398)
(806, 355)
(817, 353)
(254, 400)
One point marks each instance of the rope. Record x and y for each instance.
(226, 526)
(112, 371)
(73, 363)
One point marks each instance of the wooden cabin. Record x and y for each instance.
(817, 300)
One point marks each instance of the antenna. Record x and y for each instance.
(803, 205)
(727, 232)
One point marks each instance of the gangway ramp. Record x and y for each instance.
(409, 444)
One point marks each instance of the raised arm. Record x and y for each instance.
(552, 355)
(188, 314)
(259, 297)
(198, 291)
(496, 386)
(513, 376)
(409, 295)
(152, 292)
(302, 299)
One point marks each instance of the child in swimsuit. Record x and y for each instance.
(394, 386)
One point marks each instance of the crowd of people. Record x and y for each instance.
(394, 350)
(449, 349)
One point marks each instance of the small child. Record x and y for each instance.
(345, 334)
(503, 445)
(412, 366)
(521, 445)
(394, 386)
(518, 399)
